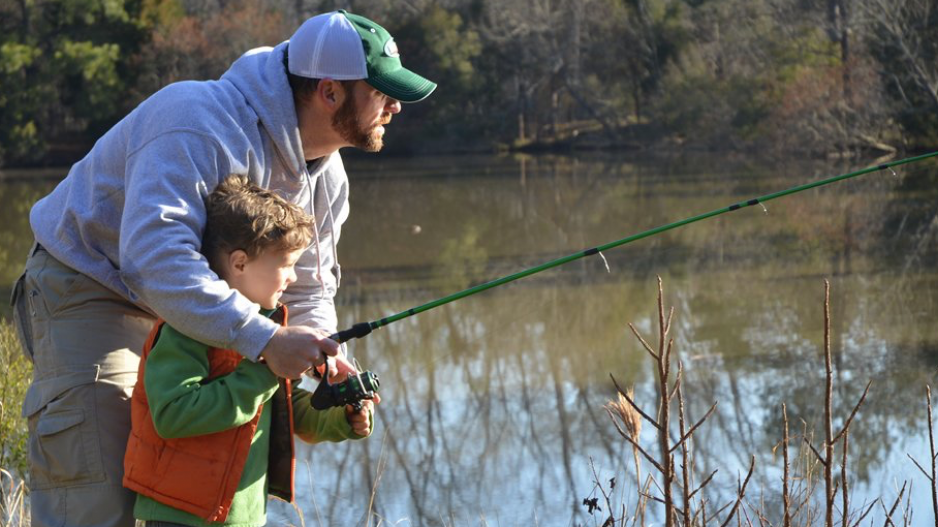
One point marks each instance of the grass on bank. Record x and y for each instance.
(15, 375)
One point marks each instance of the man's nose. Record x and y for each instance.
(393, 106)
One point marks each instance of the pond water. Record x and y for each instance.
(492, 410)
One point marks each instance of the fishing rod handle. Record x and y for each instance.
(355, 332)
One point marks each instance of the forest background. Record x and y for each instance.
(813, 77)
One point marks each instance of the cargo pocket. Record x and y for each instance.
(63, 443)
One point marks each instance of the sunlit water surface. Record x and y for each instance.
(492, 410)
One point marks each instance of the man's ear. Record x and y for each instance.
(237, 260)
(331, 93)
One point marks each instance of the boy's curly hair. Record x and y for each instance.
(242, 215)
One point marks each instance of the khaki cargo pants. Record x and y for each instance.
(85, 342)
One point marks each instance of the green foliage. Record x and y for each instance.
(705, 107)
(441, 45)
(452, 46)
(720, 70)
(93, 70)
(808, 49)
(17, 373)
(15, 57)
(18, 132)
(159, 13)
(64, 71)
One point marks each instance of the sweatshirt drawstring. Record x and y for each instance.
(335, 253)
(312, 213)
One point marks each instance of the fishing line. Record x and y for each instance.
(605, 262)
(364, 328)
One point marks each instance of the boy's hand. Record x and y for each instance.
(293, 350)
(360, 420)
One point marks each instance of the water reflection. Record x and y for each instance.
(18, 192)
(492, 405)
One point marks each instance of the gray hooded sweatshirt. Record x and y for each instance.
(131, 214)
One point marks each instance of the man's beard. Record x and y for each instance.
(345, 122)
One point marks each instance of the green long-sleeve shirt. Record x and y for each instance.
(184, 403)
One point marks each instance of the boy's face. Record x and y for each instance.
(264, 278)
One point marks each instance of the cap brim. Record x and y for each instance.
(403, 85)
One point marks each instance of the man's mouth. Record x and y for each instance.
(379, 128)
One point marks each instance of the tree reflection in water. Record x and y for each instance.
(492, 406)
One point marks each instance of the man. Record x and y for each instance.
(118, 242)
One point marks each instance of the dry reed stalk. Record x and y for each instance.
(611, 519)
(843, 483)
(632, 422)
(685, 461)
(786, 498)
(13, 511)
(828, 418)
(740, 492)
(663, 363)
(625, 411)
(379, 471)
(931, 449)
(893, 508)
(830, 439)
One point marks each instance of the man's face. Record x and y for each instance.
(361, 118)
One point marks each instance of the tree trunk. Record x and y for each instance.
(24, 21)
(838, 15)
(521, 105)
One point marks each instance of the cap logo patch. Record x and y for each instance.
(390, 49)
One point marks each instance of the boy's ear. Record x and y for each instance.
(237, 259)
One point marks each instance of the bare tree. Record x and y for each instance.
(907, 25)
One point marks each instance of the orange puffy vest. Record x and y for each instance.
(200, 474)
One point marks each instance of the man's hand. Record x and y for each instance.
(360, 420)
(293, 350)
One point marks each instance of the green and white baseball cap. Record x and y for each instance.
(343, 46)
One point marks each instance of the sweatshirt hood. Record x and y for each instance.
(261, 76)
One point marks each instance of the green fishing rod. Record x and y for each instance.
(364, 328)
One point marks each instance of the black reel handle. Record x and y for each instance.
(352, 391)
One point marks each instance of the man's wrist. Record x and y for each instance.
(254, 336)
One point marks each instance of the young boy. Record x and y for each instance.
(212, 434)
